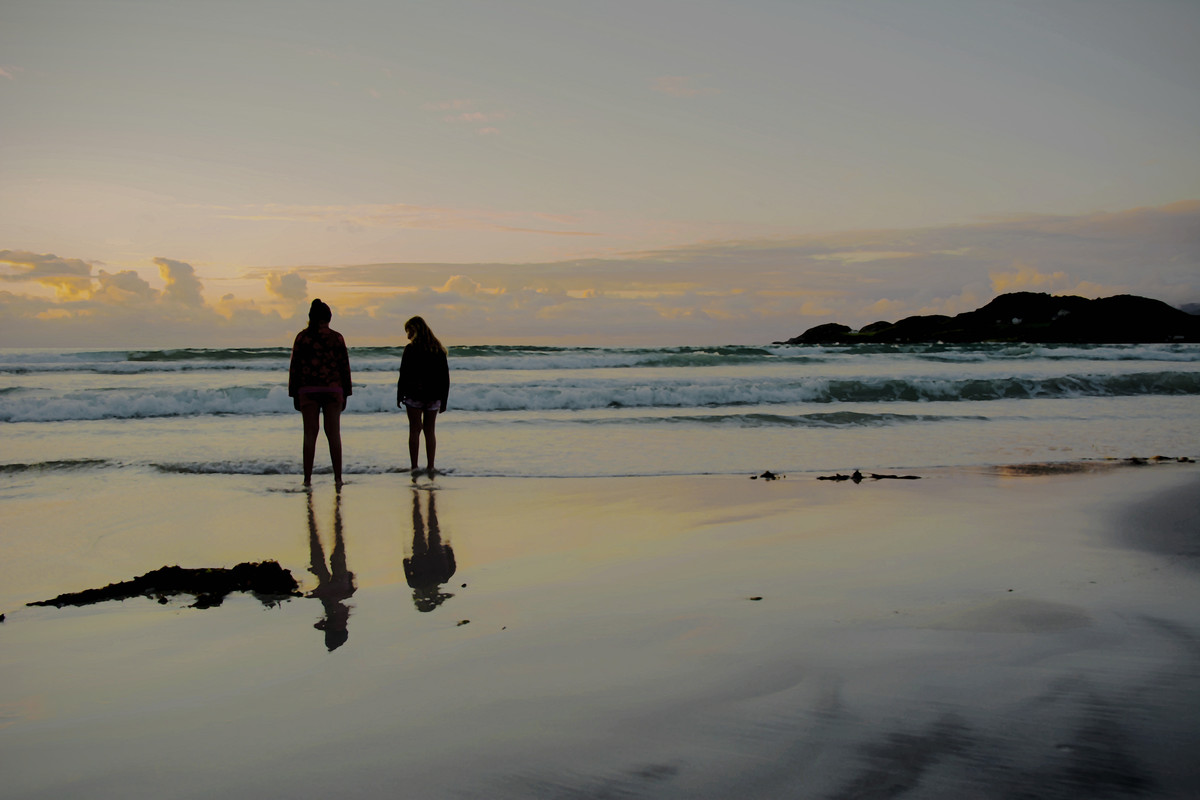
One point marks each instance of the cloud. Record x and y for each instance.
(862, 256)
(746, 291)
(681, 86)
(884, 308)
(1025, 278)
(290, 286)
(69, 277)
(402, 216)
(769, 289)
(476, 117)
(48, 265)
(123, 288)
(449, 105)
(466, 113)
(182, 285)
(121, 309)
(462, 285)
(968, 299)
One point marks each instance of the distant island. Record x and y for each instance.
(1032, 317)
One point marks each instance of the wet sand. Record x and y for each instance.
(976, 633)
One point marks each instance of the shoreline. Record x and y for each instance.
(105, 505)
(979, 630)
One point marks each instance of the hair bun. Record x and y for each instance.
(319, 312)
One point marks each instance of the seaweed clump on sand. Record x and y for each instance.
(858, 477)
(267, 581)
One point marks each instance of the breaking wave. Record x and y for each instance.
(32, 404)
(509, 357)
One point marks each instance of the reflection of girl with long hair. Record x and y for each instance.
(423, 387)
(432, 563)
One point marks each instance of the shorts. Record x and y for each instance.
(423, 405)
(320, 396)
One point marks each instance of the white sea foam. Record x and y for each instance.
(498, 358)
(580, 394)
(610, 411)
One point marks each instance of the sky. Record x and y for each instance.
(178, 173)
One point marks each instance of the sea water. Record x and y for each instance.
(606, 411)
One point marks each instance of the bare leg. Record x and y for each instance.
(430, 438)
(312, 426)
(414, 435)
(333, 432)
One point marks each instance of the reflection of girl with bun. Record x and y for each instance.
(319, 383)
(423, 387)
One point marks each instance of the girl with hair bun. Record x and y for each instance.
(319, 383)
(423, 388)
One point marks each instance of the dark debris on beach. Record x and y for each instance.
(858, 477)
(855, 476)
(267, 581)
(1040, 468)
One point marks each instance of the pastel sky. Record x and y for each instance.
(181, 173)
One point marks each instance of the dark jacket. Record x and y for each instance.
(423, 376)
(319, 358)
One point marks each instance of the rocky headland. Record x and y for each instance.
(1028, 317)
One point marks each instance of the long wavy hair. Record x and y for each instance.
(418, 330)
(318, 314)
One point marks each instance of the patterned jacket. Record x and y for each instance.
(319, 358)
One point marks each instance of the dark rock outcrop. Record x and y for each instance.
(1029, 317)
(829, 332)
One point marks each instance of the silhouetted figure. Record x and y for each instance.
(335, 582)
(432, 563)
(319, 383)
(423, 388)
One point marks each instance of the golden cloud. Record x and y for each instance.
(290, 286)
(729, 291)
(183, 286)
(1026, 278)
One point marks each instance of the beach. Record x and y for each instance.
(711, 401)
(980, 632)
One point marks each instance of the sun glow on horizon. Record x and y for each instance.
(729, 292)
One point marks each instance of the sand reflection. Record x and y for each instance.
(335, 582)
(431, 564)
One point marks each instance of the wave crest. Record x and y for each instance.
(582, 394)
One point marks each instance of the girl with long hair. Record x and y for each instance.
(423, 388)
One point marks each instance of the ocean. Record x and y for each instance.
(612, 411)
